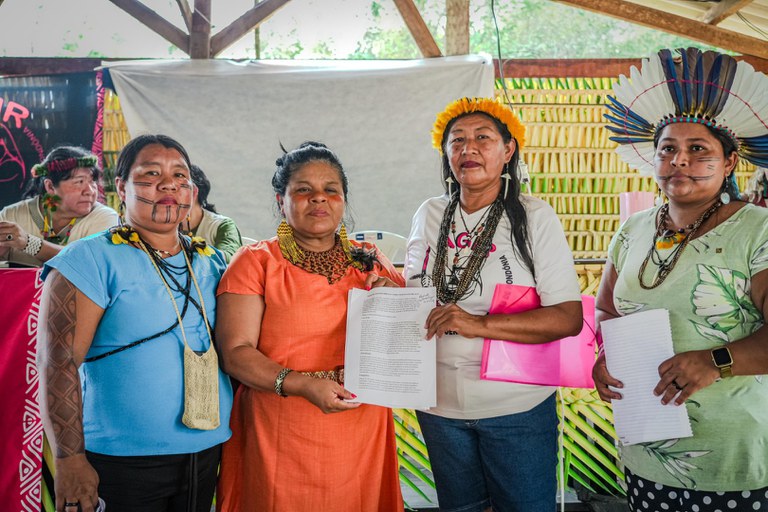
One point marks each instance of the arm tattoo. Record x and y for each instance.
(64, 405)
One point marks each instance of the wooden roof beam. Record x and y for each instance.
(186, 13)
(155, 22)
(678, 25)
(254, 17)
(722, 10)
(418, 28)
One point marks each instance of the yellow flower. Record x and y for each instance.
(200, 245)
(469, 105)
(117, 239)
(124, 235)
(664, 243)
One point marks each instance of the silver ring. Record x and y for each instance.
(9, 237)
(71, 504)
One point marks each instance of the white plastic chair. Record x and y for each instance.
(392, 245)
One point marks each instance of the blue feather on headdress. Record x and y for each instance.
(686, 86)
(668, 64)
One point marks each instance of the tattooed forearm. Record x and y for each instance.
(62, 398)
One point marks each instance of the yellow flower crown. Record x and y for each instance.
(485, 105)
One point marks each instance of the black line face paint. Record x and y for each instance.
(689, 176)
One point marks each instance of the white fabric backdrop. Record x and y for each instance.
(232, 117)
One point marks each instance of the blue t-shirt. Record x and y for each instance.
(133, 401)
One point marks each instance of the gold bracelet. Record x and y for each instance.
(279, 381)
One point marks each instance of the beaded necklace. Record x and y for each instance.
(471, 233)
(453, 285)
(665, 265)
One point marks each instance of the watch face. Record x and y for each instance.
(722, 357)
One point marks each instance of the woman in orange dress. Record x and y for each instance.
(298, 442)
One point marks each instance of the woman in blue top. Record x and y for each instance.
(133, 401)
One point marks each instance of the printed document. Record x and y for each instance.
(635, 346)
(387, 361)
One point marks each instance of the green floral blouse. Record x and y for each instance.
(707, 295)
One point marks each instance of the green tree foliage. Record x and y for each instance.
(527, 29)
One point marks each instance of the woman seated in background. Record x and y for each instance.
(203, 220)
(298, 442)
(59, 207)
(132, 397)
(703, 257)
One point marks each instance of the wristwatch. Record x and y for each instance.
(723, 361)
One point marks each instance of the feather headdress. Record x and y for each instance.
(707, 88)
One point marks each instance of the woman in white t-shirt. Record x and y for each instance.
(493, 445)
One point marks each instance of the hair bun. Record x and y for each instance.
(311, 143)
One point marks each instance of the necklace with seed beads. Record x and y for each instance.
(665, 265)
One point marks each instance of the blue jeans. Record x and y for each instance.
(507, 462)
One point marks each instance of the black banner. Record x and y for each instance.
(38, 113)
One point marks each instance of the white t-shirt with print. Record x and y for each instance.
(461, 393)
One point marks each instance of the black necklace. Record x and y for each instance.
(665, 265)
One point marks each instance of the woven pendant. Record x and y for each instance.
(201, 389)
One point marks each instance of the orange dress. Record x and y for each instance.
(285, 455)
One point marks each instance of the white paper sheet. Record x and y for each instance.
(387, 360)
(635, 346)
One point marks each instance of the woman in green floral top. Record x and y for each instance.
(703, 256)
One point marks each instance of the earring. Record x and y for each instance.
(450, 182)
(345, 241)
(121, 213)
(659, 197)
(506, 177)
(291, 251)
(725, 196)
(50, 203)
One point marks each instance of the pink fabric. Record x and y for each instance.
(21, 438)
(633, 202)
(566, 362)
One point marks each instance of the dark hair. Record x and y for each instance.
(512, 205)
(131, 150)
(729, 147)
(36, 186)
(294, 160)
(203, 188)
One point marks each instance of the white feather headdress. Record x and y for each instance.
(707, 88)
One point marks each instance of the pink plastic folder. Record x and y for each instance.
(566, 362)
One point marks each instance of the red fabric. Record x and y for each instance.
(21, 438)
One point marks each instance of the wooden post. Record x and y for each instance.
(200, 36)
(457, 27)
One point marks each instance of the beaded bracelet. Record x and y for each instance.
(279, 381)
(34, 244)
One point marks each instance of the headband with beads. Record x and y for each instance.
(64, 165)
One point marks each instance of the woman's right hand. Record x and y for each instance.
(603, 379)
(328, 396)
(75, 481)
